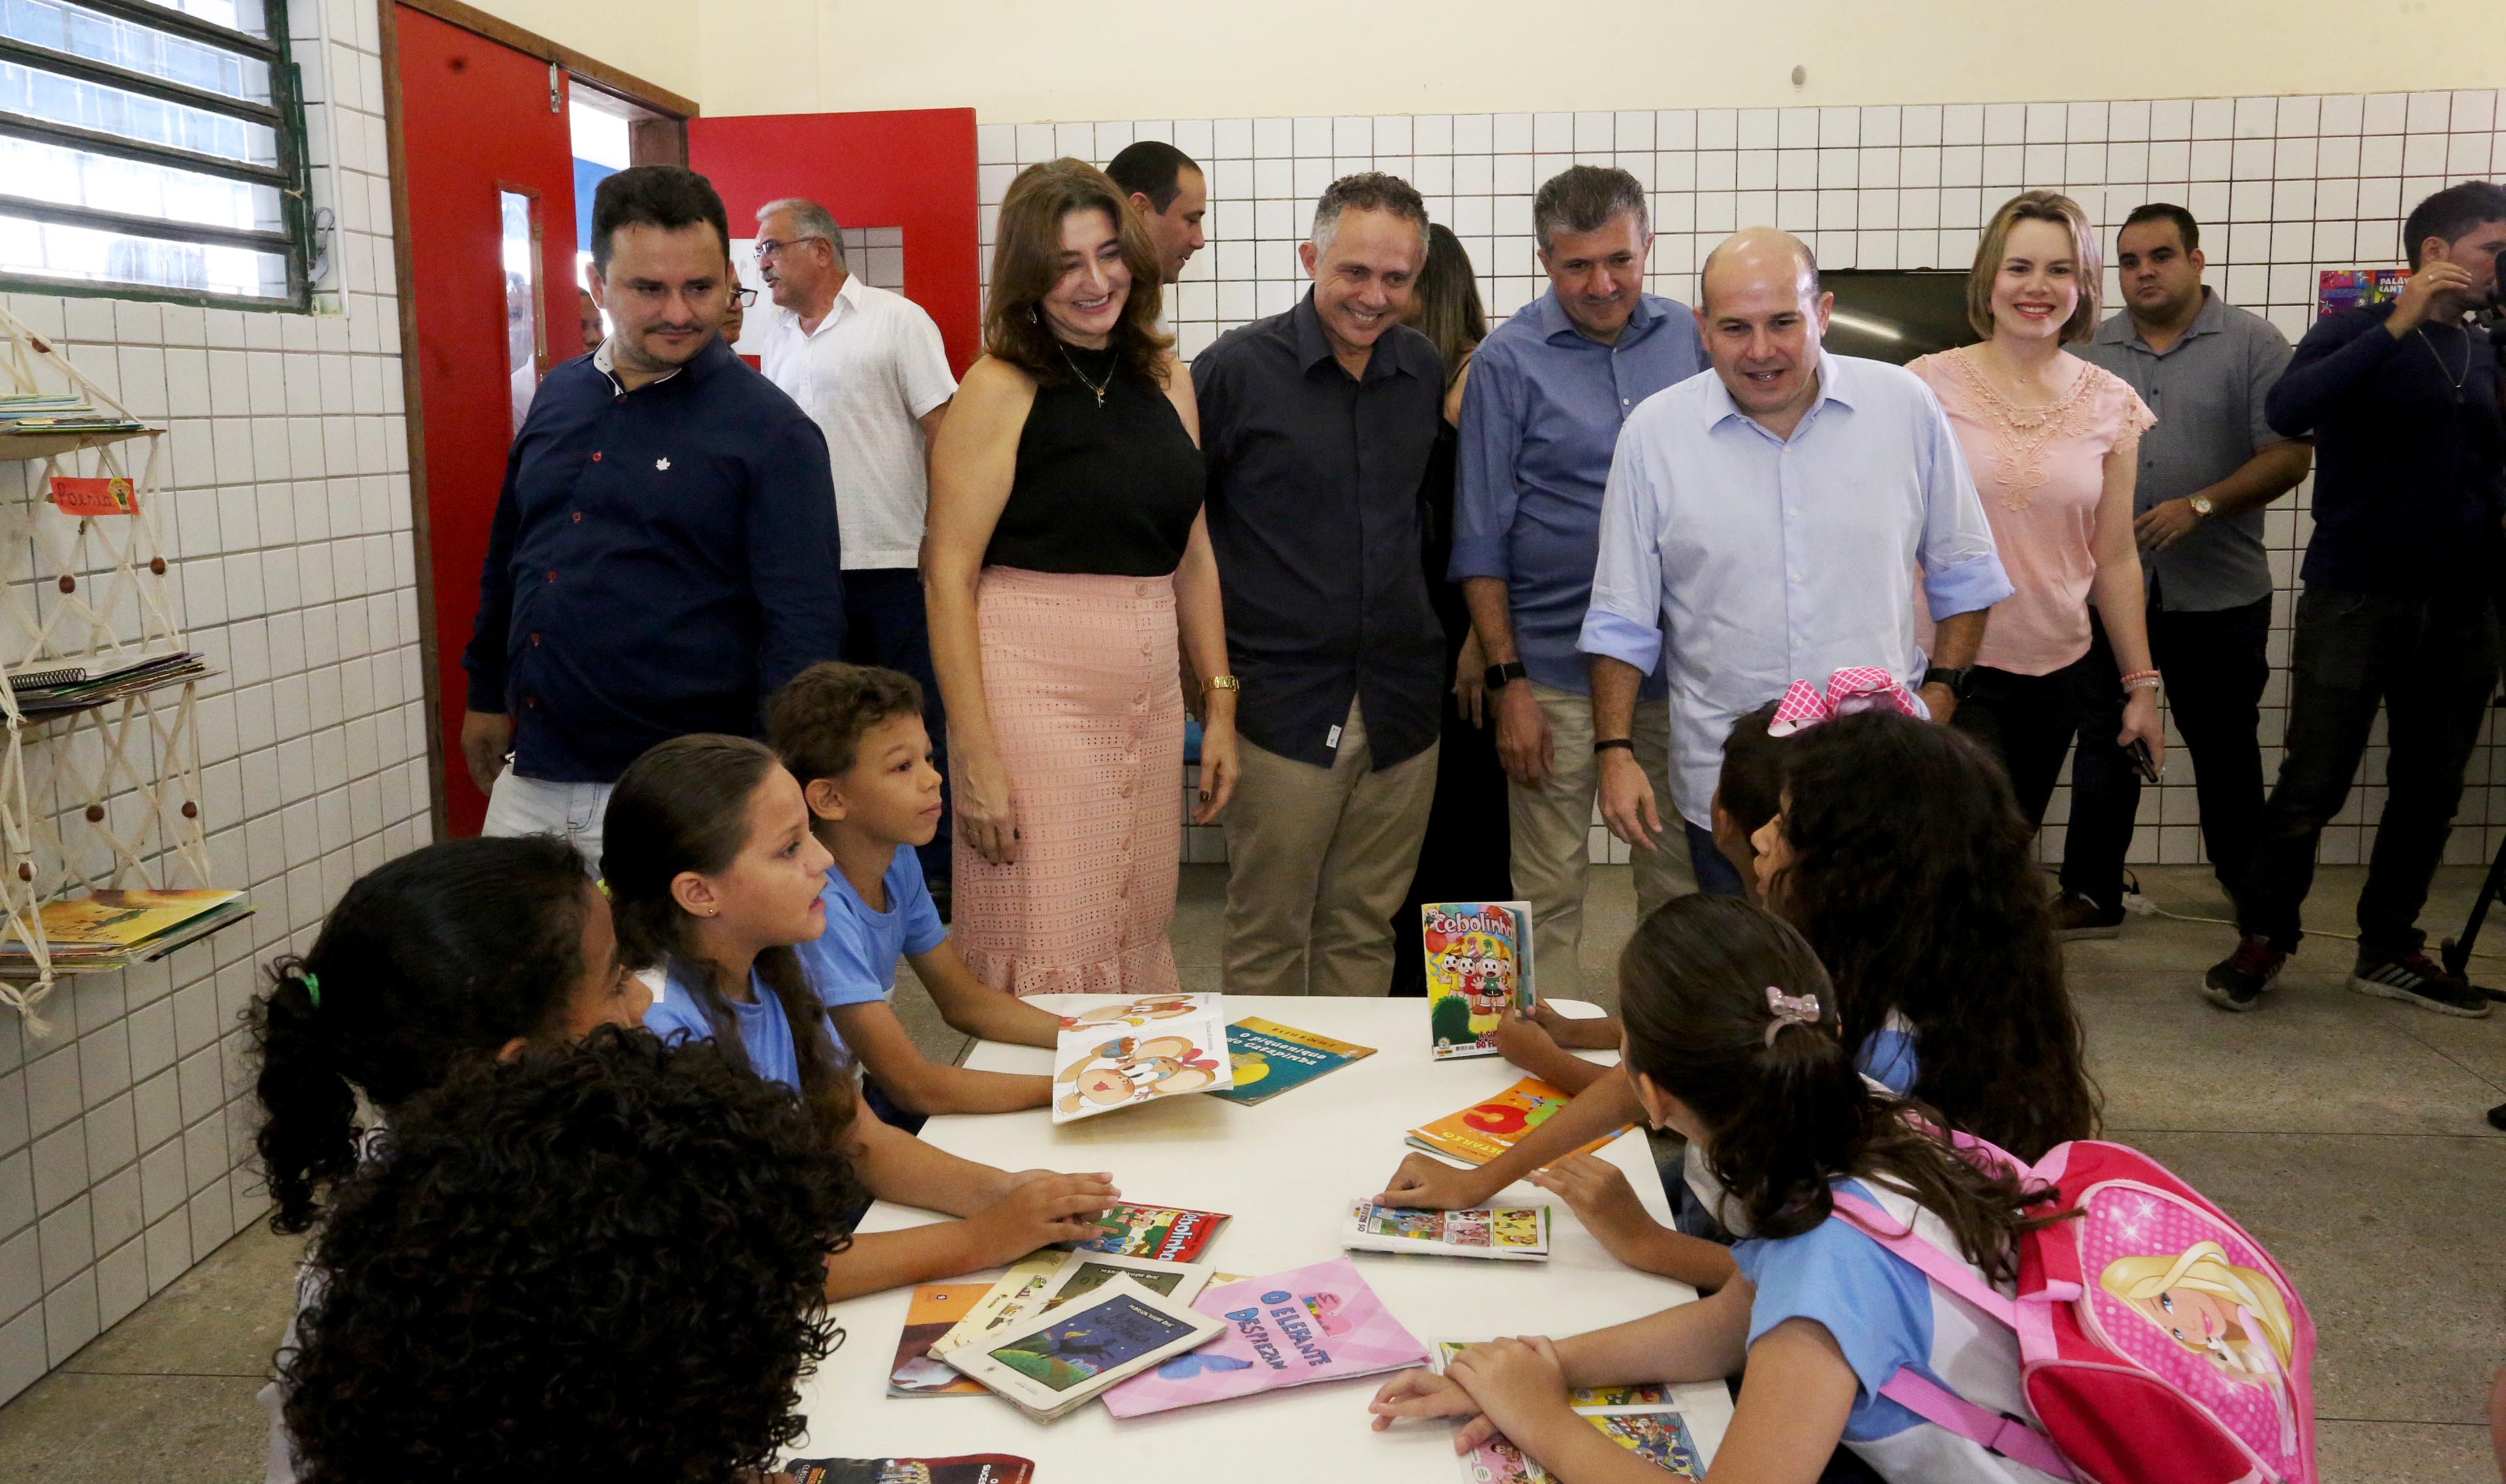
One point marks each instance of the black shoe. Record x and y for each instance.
(2498, 1116)
(2416, 979)
(2237, 981)
(2077, 916)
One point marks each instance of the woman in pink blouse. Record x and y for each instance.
(2052, 441)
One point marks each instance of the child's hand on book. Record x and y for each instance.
(1424, 1393)
(1587, 1032)
(1598, 1193)
(1037, 1208)
(1424, 1182)
(1518, 1383)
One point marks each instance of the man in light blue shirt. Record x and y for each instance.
(1763, 524)
(1548, 393)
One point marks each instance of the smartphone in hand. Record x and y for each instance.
(2141, 761)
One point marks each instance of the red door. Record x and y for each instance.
(487, 145)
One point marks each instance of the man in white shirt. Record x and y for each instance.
(867, 366)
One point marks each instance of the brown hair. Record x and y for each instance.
(817, 720)
(2037, 207)
(1446, 306)
(1026, 263)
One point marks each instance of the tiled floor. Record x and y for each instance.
(2346, 1132)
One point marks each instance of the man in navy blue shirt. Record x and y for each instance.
(1548, 392)
(665, 550)
(2402, 401)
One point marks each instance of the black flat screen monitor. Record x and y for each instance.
(1896, 314)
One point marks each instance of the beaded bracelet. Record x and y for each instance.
(2140, 679)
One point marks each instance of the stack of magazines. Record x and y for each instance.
(59, 412)
(110, 929)
(68, 686)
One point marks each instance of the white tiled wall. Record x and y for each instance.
(126, 1133)
(2281, 186)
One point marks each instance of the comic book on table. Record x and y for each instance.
(1491, 1126)
(1313, 1324)
(1118, 1051)
(964, 1469)
(1269, 1059)
(1640, 1418)
(1008, 1299)
(1510, 1233)
(1167, 1233)
(934, 1310)
(1084, 1271)
(1053, 1364)
(1478, 963)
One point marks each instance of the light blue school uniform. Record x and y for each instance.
(853, 961)
(1887, 1055)
(764, 1031)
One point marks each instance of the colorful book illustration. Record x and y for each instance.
(1009, 1299)
(1057, 1363)
(110, 928)
(1084, 1271)
(1639, 1418)
(1268, 1059)
(964, 1469)
(1512, 1233)
(1479, 961)
(2348, 288)
(1166, 1233)
(1313, 1323)
(1488, 1127)
(1121, 1050)
(934, 1310)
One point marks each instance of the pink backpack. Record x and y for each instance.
(2156, 1340)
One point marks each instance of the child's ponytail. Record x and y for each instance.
(308, 1135)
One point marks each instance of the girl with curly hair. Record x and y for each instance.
(715, 874)
(1733, 1041)
(532, 1278)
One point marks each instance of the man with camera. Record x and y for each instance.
(2402, 401)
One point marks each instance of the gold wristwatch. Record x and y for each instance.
(2202, 505)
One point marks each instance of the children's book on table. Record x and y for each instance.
(963, 1468)
(1640, 1418)
(1268, 1059)
(1508, 1233)
(1167, 1233)
(1010, 1298)
(1084, 1271)
(1118, 1051)
(1493, 1125)
(1479, 963)
(1053, 1364)
(934, 1310)
(1309, 1324)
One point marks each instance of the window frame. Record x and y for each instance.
(289, 176)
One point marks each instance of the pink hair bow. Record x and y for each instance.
(1856, 688)
(1789, 1010)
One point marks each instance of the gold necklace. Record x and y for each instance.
(1098, 389)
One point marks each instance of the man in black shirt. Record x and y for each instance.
(1316, 425)
(2402, 400)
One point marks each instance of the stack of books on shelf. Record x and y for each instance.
(36, 413)
(111, 929)
(56, 686)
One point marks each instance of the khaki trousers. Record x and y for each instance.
(1552, 830)
(1317, 862)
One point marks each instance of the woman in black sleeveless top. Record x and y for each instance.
(1065, 549)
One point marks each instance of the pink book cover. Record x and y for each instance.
(1314, 1323)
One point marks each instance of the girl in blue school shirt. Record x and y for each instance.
(1732, 1041)
(714, 876)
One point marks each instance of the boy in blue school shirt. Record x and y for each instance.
(853, 735)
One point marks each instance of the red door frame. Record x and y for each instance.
(913, 168)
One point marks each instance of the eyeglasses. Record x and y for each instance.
(767, 248)
(746, 299)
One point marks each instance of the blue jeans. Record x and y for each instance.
(884, 625)
(1715, 874)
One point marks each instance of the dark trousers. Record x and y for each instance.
(2215, 667)
(2430, 661)
(2027, 721)
(1715, 875)
(884, 625)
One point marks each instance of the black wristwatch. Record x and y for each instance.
(1497, 675)
(1955, 679)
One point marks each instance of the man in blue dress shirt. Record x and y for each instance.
(1763, 524)
(1548, 390)
(665, 550)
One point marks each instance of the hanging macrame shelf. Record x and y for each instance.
(105, 793)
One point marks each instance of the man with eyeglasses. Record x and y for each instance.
(664, 555)
(867, 366)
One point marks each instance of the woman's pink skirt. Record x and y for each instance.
(1080, 677)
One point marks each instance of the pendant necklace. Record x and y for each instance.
(2453, 381)
(1100, 388)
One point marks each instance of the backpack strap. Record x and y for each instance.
(2007, 1437)
(1940, 1267)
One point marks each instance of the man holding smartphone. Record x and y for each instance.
(2207, 471)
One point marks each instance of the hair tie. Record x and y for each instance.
(1789, 1010)
(312, 988)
